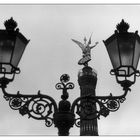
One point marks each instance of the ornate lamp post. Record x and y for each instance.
(122, 45)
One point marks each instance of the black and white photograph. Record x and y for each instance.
(69, 69)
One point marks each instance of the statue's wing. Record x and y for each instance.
(79, 44)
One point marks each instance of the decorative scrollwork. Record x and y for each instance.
(92, 107)
(6, 98)
(49, 122)
(86, 109)
(15, 103)
(122, 100)
(40, 107)
(43, 107)
(77, 122)
(103, 111)
(113, 105)
(64, 78)
(64, 85)
(23, 110)
(59, 86)
(70, 85)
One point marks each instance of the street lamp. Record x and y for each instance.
(124, 51)
(12, 46)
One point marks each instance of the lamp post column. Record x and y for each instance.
(87, 80)
(64, 119)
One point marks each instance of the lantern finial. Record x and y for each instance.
(10, 24)
(122, 27)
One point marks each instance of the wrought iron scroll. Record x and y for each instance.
(92, 107)
(40, 106)
(64, 85)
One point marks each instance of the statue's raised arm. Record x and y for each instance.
(94, 45)
(86, 49)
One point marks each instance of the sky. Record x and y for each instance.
(51, 53)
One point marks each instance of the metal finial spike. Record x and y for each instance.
(64, 78)
(39, 92)
(10, 24)
(123, 26)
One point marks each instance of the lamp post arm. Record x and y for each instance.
(113, 97)
(44, 107)
(29, 95)
(39, 106)
(93, 107)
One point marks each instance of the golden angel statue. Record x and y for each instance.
(86, 49)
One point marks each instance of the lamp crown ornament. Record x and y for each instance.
(122, 27)
(10, 24)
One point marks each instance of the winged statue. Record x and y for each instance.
(86, 50)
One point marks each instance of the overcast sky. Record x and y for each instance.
(51, 53)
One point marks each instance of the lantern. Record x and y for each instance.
(124, 50)
(12, 46)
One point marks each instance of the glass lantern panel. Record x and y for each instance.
(18, 51)
(122, 71)
(126, 48)
(131, 71)
(6, 67)
(112, 48)
(125, 71)
(6, 49)
(136, 54)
